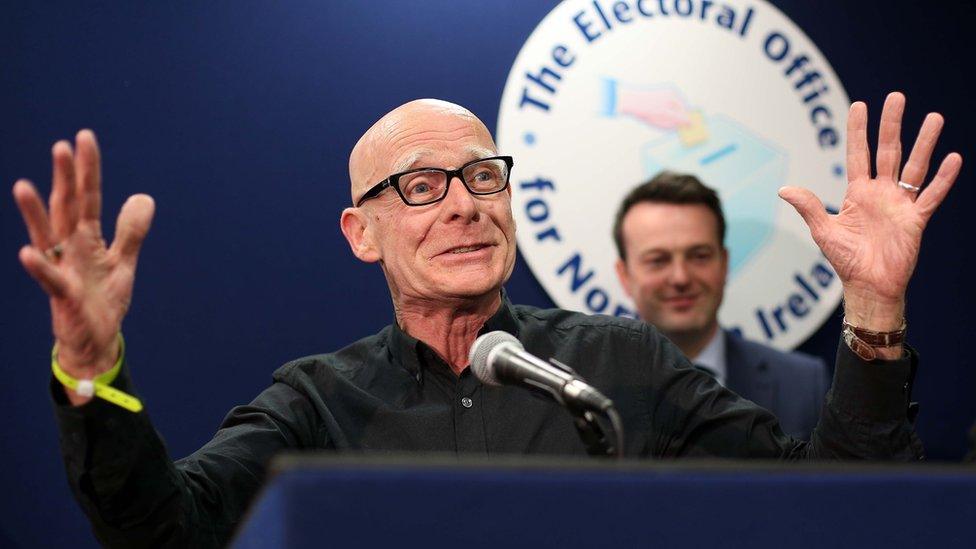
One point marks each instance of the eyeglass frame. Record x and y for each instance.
(394, 181)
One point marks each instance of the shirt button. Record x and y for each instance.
(467, 402)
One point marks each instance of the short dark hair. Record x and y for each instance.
(669, 188)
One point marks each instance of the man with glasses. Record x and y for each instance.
(432, 206)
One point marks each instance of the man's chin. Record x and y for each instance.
(683, 327)
(470, 289)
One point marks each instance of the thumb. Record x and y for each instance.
(132, 226)
(810, 208)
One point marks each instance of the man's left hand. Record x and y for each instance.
(873, 242)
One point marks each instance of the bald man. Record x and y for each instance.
(432, 205)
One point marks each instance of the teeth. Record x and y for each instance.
(465, 250)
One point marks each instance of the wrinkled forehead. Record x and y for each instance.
(431, 158)
(427, 137)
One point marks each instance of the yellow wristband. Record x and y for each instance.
(99, 386)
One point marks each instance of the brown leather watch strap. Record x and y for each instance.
(864, 342)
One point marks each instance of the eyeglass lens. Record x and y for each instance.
(484, 177)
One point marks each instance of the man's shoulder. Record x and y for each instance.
(737, 344)
(603, 349)
(347, 360)
(563, 320)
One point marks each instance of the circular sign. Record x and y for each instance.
(605, 94)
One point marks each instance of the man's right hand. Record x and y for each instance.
(89, 284)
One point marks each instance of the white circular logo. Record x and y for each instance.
(605, 94)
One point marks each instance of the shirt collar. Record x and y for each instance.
(713, 356)
(405, 350)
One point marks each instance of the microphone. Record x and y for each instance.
(498, 358)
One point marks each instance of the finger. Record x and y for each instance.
(35, 216)
(858, 153)
(43, 271)
(132, 226)
(64, 207)
(889, 137)
(89, 177)
(918, 161)
(810, 208)
(936, 191)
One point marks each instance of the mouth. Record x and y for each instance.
(682, 301)
(466, 249)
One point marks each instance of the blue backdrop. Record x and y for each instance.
(238, 118)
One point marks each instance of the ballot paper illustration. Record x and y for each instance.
(743, 168)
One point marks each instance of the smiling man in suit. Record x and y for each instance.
(672, 262)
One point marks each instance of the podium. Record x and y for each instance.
(447, 501)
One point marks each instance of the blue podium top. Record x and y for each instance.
(446, 501)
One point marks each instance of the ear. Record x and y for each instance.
(355, 227)
(623, 277)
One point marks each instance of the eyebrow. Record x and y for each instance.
(410, 162)
(669, 251)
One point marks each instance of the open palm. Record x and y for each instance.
(89, 284)
(874, 240)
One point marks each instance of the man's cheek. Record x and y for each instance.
(652, 300)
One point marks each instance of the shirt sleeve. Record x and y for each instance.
(120, 471)
(865, 415)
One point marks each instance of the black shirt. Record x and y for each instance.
(391, 393)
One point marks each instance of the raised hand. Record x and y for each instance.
(89, 284)
(873, 242)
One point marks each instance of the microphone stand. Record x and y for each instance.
(588, 426)
(592, 434)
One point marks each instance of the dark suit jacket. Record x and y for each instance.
(791, 385)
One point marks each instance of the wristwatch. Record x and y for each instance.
(865, 343)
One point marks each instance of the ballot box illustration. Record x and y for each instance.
(745, 170)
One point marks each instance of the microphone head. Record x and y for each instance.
(480, 354)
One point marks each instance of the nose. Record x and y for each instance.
(459, 204)
(679, 275)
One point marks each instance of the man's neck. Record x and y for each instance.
(449, 329)
(692, 343)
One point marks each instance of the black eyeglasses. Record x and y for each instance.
(424, 186)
